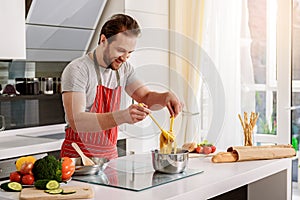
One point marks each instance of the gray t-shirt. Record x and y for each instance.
(80, 76)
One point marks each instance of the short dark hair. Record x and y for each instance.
(120, 23)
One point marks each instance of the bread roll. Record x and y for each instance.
(190, 147)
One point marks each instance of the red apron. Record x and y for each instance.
(97, 144)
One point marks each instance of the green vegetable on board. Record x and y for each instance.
(47, 167)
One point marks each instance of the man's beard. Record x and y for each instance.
(107, 60)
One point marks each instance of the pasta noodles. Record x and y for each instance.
(167, 139)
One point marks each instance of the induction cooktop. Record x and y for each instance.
(134, 173)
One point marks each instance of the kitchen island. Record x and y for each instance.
(264, 179)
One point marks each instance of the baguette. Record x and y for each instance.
(222, 157)
(190, 147)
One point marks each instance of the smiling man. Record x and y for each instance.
(91, 92)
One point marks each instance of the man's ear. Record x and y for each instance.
(102, 38)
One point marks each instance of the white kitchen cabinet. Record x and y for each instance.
(12, 31)
(68, 13)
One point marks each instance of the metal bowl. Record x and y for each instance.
(170, 163)
(80, 169)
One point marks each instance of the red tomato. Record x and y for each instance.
(206, 149)
(199, 149)
(15, 177)
(213, 148)
(67, 168)
(28, 179)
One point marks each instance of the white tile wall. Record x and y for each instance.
(151, 60)
(153, 6)
(147, 20)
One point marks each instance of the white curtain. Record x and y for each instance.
(215, 26)
(186, 18)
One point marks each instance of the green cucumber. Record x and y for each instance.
(53, 184)
(68, 191)
(41, 184)
(55, 191)
(11, 186)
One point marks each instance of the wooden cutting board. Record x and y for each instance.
(82, 192)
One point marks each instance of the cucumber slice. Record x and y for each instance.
(56, 191)
(11, 186)
(68, 191)
(14, 186)
(53, 184)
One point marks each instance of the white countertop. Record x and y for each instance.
(21, 142)
(216, 179)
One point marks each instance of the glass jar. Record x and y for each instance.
(48, 86)
(21, 85)
(32, 86)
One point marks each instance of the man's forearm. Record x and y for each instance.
(155, 100)
(95, 122)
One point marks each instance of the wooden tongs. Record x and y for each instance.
(166, 137)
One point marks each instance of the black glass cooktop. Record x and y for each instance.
(133, 173)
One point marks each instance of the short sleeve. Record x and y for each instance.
(130, 74)
(74, 78)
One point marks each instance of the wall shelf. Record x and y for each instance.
(30, 97)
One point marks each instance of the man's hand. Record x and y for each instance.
(173, 104)
(134, 113)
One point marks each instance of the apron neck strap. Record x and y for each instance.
(96, 65)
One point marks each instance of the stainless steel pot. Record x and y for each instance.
(80, 169)
(170, 163)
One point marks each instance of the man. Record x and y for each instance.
(91, 87)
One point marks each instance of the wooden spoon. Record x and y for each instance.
(85, 160)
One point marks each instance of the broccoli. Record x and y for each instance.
(47, 167)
